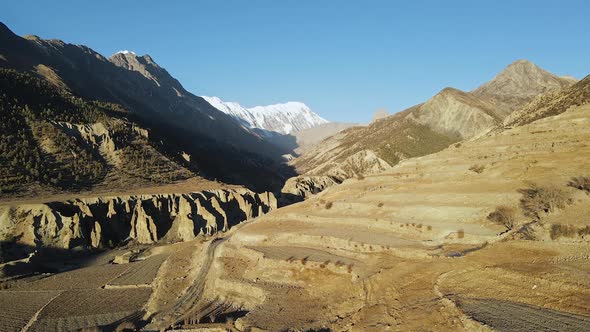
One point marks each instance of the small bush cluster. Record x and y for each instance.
(503, 215)
(581, 183)
(537, 199)
(560, 230)
(328, 205)
(477, 168)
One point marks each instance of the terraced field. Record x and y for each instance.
(512, 316)
(17, 308)
(78, 309)
(85, 278)
(140, 273)
(305, 254)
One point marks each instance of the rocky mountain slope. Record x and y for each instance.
(450, 116)
(518, 84)
(283, 118)
(184, 128)
(361, 150)
(551, 103)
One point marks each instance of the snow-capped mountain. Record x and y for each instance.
(283, 118)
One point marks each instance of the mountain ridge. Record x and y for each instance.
(449, 116)
(179, 122)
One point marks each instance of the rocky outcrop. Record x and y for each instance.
(456, 113)
(301, 187)
(109, 221)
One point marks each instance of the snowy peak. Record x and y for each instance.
(282, 118)
(126, 52)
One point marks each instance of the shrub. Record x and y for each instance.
(584, 231)
(477, 168)
(503, 215)
(429, 227)
(380, 204)
(460, 234)
(537, 199)
(559, 230)
(360, 177)
(328, 205)
(580, 182)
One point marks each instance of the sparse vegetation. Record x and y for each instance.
(328, 205)
(538, 199)
(380, 204)
(503, 215)
(477, 168)
(570, 231)
(37, 146)
(581, 183)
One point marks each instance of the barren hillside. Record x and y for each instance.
(414, 245)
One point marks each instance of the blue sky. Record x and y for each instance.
(345, 59)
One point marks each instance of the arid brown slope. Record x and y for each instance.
(551, 103)
(412, 248)
(391, 140)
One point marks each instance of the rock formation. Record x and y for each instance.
(107, 221)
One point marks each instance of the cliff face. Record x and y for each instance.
(108, 221)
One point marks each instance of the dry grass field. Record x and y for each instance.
(18, 308)
(84, 278)
(141, 272)
(84, 308)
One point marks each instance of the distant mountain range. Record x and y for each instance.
(450, 116)
(284, 118)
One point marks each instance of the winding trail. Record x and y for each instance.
(193, 294)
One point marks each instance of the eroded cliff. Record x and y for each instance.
(109, 221)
